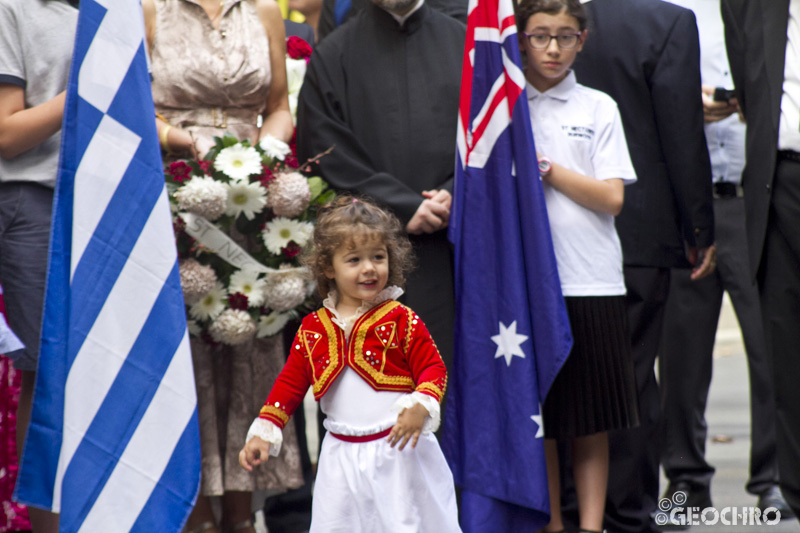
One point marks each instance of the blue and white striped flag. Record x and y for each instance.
(113, 444)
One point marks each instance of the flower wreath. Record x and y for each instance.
(242, 214)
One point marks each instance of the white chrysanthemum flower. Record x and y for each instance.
(233, 327)
(238, 161)
(194, 328)
(248, 283)
(196, 280)
(203, 196)
(279, 231)
(289, 194)
(272, 324)
(245, 197)
(210, 305)
(285, 291)
(274, 148)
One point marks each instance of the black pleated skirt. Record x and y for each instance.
(596, 388)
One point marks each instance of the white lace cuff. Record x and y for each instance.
(428, 402)
(268, 432)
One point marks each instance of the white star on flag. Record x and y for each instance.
(508, 342)
(540, 423)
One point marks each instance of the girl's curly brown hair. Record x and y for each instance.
(348, 218)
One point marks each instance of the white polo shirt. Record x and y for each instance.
(580, 128)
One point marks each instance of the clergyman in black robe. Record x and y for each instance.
(385, 94)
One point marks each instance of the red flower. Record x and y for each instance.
(266, 175)
(178, 226)
(238, 301)
(291, 161)
(291, 250)
(297, 48)
(180, 171)
(205, 166)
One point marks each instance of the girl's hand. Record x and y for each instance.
(408, 427)
(255, 452)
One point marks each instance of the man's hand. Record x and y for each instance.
(432, 214)
(255, 452)
(707, 257)
(441, 196)
(714, 111)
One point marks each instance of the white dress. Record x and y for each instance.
(370, 487)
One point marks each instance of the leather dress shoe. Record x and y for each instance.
(690, 495)
(772, 497)
(679, 496)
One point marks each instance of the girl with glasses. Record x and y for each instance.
(584, 166)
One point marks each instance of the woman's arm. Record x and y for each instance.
(277, 116)
(605, 196)
(22, 129)
(172, 139)
(149, 10)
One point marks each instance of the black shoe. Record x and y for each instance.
(772, 497)
(671, 514)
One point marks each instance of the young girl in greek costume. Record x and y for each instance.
(379, 378)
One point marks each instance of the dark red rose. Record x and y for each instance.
(291, 250)
(297, 48)
(237, 301)
(180, 171)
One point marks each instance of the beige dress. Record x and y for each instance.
(210, 81)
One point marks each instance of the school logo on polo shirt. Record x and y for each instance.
(578, 132)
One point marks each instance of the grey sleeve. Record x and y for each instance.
(12, 69)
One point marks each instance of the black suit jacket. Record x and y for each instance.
(646, 55)
(755, 36)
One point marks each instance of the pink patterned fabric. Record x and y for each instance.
(13, 516)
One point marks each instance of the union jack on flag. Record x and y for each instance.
(511, 332)
(113, 443)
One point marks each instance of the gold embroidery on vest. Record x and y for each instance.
(409, 329)
(358, 350)
(310, 340)
(388, 340)
(333, 351)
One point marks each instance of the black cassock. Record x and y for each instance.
(386, 96)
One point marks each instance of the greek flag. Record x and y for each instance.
(113, 444)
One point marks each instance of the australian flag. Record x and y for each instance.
(511, 333)
(113, 443)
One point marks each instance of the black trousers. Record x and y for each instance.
(685, 359)
(779, 286)
(634, 453)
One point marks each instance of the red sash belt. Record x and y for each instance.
(363, 438)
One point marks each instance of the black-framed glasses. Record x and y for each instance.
(565, 41)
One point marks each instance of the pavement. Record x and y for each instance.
(728, 446)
